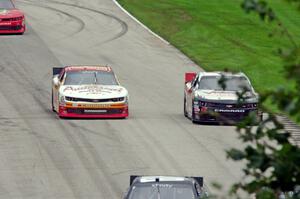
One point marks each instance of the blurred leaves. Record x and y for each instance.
(272, 162)
(261, 7)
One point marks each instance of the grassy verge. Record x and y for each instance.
(218, 34)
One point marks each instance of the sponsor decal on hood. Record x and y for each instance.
(216, 95)
(223, 95)
(91, 89)
(3, 12)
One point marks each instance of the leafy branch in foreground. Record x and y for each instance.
(272, 162)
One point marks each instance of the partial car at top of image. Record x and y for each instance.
(12, 20)
(205, 100)
(165, 187)
(88, 92)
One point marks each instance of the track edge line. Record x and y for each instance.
(140, 23)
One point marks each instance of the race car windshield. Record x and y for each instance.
(90, 77)
(162, 191)
(6, 4)
(232, 83)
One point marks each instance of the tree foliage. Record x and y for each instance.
(272, 161)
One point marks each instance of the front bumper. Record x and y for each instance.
(116, 111)
(12, 27)
(234, 115)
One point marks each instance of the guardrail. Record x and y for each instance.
(291, 127)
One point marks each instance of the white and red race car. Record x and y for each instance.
(205, 100)
(88, 92)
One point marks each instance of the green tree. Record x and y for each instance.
(272, 161)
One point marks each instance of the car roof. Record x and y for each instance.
(88, 67)
(220, 73)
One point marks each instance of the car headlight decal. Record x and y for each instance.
(62, 100)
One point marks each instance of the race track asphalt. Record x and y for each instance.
(45, 157)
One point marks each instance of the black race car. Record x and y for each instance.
(207, 99)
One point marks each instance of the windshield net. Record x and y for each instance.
(90, 77)
(6, 4)
(162, 191)
(232, 83)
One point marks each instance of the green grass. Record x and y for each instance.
(218, 34)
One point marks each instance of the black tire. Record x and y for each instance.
(193, 114)
(52, 103)
(184, 107)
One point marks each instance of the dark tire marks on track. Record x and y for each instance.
(75, 18)
(124, 26)
(1, 68)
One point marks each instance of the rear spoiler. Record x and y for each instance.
(56, 70)
(199, 180)
(189, 76)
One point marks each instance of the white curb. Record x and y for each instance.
(135, 19)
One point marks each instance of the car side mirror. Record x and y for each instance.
(55, 80)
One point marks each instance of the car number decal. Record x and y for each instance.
(95, 105)
(95, 111)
